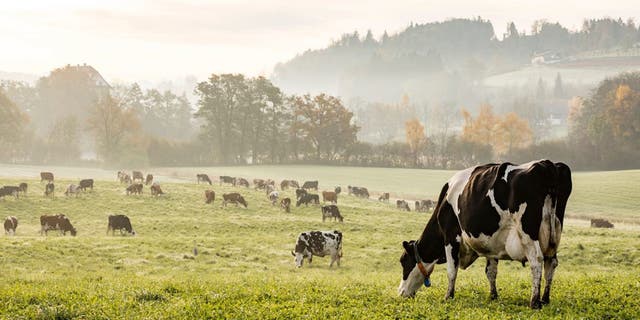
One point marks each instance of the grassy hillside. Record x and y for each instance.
(244, 268)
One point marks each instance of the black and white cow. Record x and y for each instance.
(497, 211)
(318, 243)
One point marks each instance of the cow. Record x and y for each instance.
(423, 205)
(284, 184)
(86, 183)
(10, 191)
(46, 176)
(329, 196)
(259, 184)
(497, 211)
(308, 198)
(358, 191)
(273, 197)
(58, 222)
(149, 179)
(286, 204)
(384, 197)
(120, 176)
(294, 184)
(137, 176)
(123, 177)
(402, 205)
(120, 222)
(201, 177)
(156, 190)
(242, 182)
(310, 185)
(23, 188)
(227, 179)
(331, 211)
(49, 189)
(209, 196)
(337, 190)
(318, 243)
(233, 198)
(10, 225)
(135, 188)
(601, 223)
(268, 189)
(270, 182)
(72, 189)
(300, 193)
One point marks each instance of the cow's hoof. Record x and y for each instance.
(535, 304)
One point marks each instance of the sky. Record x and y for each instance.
(138, 40)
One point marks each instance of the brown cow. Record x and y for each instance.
(329, 196)
(259, 183)
(155, 189)
(137, 175)
(402, 205)
(601, 223)
(209, 196)
(149, 179)
(286, 204)
(46, 176)
(384, 197)
(23, 188)
(233, 198)
(424, 205)
(135, 188)
(10, 225)
(57, 222)
(242, 182)
(203, 177)
(49, 189)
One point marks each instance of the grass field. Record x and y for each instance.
(245, 270)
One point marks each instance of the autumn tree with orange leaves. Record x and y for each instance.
(503, 133)
(415, 138)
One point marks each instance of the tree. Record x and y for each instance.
(541, 90)
(13, 124)
(482, 128)
(415, 138)
(114, 128)
(558, 90)
(63, 142)
(512, 132)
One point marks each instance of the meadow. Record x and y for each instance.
(244, 268)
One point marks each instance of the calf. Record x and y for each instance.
(86, 183)
(149, 179)
(209, 196)
(201, 177)
(318, 243)
(156, 190)
(58, 222)
(300, 193)
(227, 179)
(273, 197)
(135, 188)
(384, 197)
(402, 205)
(49, 189)
(329, 196)
(120, 222)
(233, 198)
(46, 176)
(10, 225)
(286, 204)
(310, 185)
(498, 211)
(308, 198)
(601, 223)
(23, 188)
(137, 176)
(242, 182)
(331, 211)
(72, 189)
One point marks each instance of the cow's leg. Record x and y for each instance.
(492, 272)
(452, 252)
(333, 259)
(550, 265)
(534, 256)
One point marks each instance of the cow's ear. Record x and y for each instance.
(407, 246)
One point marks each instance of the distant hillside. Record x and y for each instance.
(443, 61)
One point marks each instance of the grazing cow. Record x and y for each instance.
(23, 188)
(424, 205)
(308, 198)
(58, 222)
(86, 183)
(233, 198)
(135, 188)
(120, 222)
(329, 196)
(46, 176)
(149, 179)
(294, 184)
(124, 177)
(273, 197)
(10, 225)
(4, 192)
(242, 182)
(10, 190)
(318, 243)
(286, 204)
(498, 211)
(402, 205)
(227, 179)
(331, 211)
(270, 182)
(601, 223)
(300, 193)
(49, 189)
(120, 176)
(155, 189)
(201, 177)
(137, 176)
(384, 197)
(268, 189)
(337, 190)
(72, 189)
(259, 184)
(209, 196)
(358, 191)
(310, 185)
(284, 184)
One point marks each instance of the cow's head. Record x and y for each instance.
(242, 201)
(298, 257)
(415, 272)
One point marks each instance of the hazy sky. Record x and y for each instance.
(168, 39)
